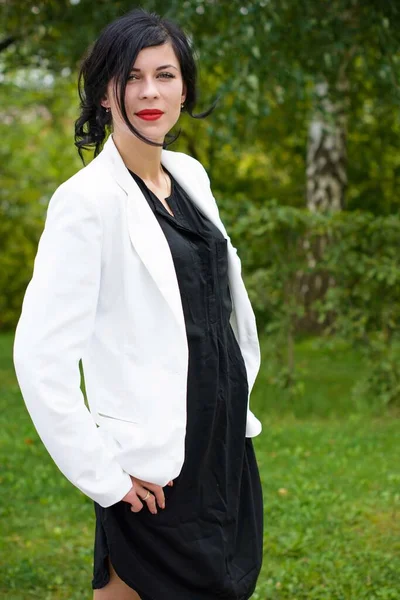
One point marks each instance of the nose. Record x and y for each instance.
(149, 88)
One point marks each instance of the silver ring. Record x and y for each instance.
(146, 496)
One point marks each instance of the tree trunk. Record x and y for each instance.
(326, 154)
(326, 183)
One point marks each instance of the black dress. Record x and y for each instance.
(207, 542)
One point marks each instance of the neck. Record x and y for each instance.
(139, 157)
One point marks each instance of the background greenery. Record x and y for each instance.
(303, 155)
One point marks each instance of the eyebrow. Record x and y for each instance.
(158, 68)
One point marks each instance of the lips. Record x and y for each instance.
(150, 111)
(149, 114)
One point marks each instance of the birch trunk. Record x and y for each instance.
(326, 153)
(326, 183)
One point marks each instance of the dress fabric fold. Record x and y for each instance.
(207, 542)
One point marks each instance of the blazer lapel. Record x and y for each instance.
(145, 234)
(190, 184)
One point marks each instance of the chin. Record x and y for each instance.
(152, 135)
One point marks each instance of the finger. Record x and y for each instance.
(136, 504)
(150, 500)
(158, 493)
(170, 483)
(134, 499)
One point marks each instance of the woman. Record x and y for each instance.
(136, 276)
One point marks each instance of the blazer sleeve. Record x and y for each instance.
(56, 321)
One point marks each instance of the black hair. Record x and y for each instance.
(112, 56)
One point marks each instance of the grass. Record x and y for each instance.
(327, 372)
(331, 480)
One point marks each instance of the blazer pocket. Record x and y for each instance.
(115, 418)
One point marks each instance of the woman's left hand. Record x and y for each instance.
(144, 491)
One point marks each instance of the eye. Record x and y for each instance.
(164, 75)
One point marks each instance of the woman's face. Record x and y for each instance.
(155, 83)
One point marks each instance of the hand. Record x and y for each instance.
(137, 493)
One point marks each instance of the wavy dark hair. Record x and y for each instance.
(112, 56)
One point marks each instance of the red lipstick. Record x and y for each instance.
(150, 114)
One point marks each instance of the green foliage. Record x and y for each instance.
(382, 382)
(274, 256)
(36, 156)
(360, 258)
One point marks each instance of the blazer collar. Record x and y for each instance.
(183, 172)
(145, 233)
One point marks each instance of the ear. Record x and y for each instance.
(184, 92)
(105, 101)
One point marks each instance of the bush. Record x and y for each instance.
(357, 253)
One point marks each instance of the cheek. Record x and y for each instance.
(175, 99)
(129, 97)
(130, 106)
(175, 110)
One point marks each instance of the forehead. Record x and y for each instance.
(154, 56)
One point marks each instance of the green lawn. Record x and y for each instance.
(331, 481)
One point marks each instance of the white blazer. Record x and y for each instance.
(104, 290)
